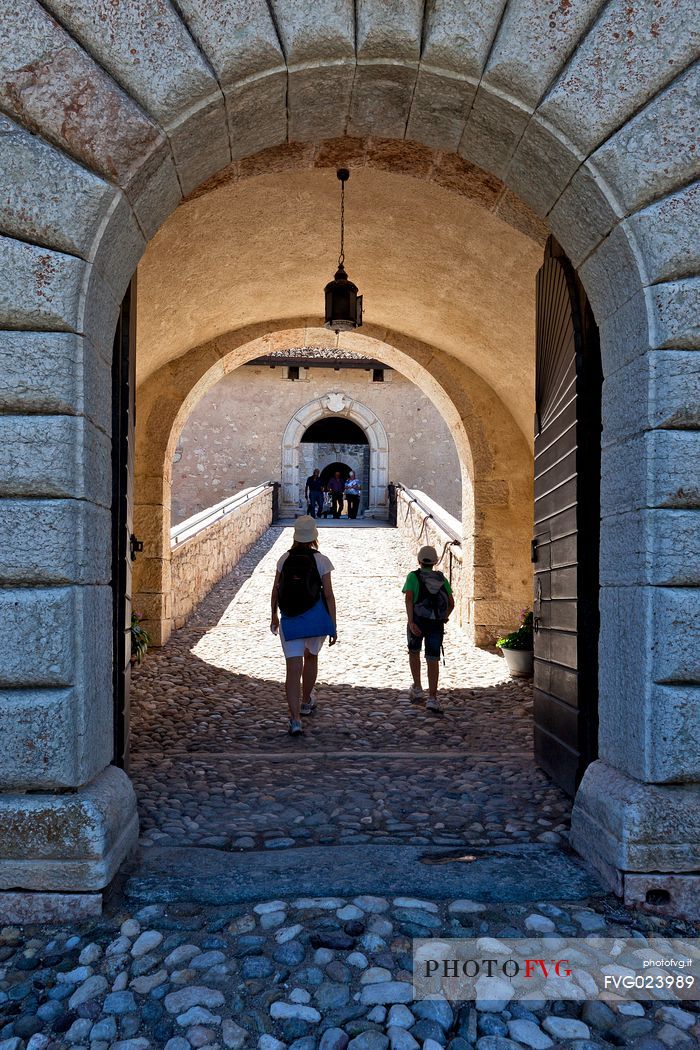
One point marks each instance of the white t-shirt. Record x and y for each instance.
(323, 563)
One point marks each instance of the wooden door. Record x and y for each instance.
(123, 540)
(567, 523)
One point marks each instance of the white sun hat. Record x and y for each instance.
(305, 529)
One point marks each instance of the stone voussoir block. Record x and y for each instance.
(658, 625)
(492, 133)
(46, 76)
(381, 98)
(54, 542)
(611, 273)
(660, 468)
(45, 196)
(584, 214)
(660, 389)
(668, 235)
(39, 288)
(640, 163)
(252, 50)
(541, 166)
(674, 312)
(42, 623)
(71, 841)
(54, 372)
(318, 100)
(55, 456)
(657, 547)
(675, 634)
(56, 736)
(439, 110)
(622, 38)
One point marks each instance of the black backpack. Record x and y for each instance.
(300, 582)
(433, 602)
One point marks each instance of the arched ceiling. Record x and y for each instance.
(430, 263)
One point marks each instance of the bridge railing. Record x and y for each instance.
(422, 521)
(205, 547)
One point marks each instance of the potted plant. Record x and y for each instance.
(517, 647)
(139, 639)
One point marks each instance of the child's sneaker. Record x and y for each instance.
(433, 705)
(295, 728)
(415, 694)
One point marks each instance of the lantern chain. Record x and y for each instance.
(341, 257)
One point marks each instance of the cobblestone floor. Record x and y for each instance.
(213, 765)
(308, 974)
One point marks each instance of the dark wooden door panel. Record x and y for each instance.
(558, 681)
(562, 523)
(556, 759)
(560, 498)
(558, 646)
(123, 450)
(560, 615)
(557, 719)
(551, 455)
(566, 532)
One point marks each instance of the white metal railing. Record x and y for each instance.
(198, 522)
(432, 511)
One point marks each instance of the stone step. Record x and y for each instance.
(527, 872)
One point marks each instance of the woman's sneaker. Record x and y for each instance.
(433, 705)
(415, 694)
(310, 706)
(295, 728)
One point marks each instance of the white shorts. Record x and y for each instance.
(298, 646)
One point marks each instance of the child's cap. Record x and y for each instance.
(427, 555)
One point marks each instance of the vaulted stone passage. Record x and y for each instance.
(584, 117)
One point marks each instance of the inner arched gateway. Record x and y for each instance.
(561, 128)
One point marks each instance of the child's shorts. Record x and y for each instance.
(433, 634)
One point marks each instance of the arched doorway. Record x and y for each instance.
(336, 444)
(336, 415)
(607, 162)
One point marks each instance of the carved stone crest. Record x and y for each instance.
(336, 402)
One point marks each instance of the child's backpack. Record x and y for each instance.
(300, 582)
(433, 602)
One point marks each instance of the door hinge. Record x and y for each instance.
(135, 547)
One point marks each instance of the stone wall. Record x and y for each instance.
(233, 438)
(418, 529)
(200, 562)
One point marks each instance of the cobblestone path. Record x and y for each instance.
(214, 766)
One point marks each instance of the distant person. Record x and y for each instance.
(303, 593)
(352, 494)
(429, 603)
(313, 494)
(336, 487)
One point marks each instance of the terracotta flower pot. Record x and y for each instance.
(519, 661)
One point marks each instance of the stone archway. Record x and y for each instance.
(101, 147)
(336, 403)
(496, 463)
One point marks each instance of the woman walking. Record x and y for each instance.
(352, 494)
(303, 593)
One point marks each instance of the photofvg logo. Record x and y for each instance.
(503, 970)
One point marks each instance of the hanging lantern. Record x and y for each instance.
(343, 304)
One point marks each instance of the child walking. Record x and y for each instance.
(429, 603)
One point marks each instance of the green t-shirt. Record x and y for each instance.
(412, 584)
